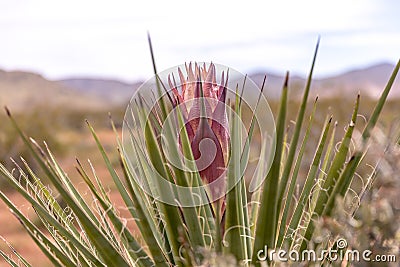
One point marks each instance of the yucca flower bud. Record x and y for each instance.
(202, 102)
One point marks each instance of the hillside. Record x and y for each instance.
(370, 81)
(22, 90)
(114, 91)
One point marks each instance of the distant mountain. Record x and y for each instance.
(369, 81)
(274, 83)
(21, 90)
(116, 92)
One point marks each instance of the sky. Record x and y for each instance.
(108, 39)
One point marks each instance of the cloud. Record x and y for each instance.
(62, 38)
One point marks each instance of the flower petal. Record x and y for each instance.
(220, 125)
(211, 165)
(208, 84)
(195, 110)
(178, 98)
(183, 81)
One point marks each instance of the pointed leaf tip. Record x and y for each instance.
(286, 79)
(7, 111)
(78, 161)
(263, 83)
(315, 54)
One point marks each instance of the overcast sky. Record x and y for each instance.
(108, 38)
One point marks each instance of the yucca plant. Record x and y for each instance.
(170, 165)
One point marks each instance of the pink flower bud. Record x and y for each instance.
(202, 102)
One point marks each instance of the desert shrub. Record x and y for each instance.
(228, 231)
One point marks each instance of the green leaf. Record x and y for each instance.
(342, 184)
(293, 182)
(43, 212)
(379, 106)
(267, 218)
(332, 176)
(298, 212)
(9, 260)
(160, 101)
(296, 135)
(170, 214)
(236, 227)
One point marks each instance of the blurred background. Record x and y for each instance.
(62, 62)
(108, 39)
